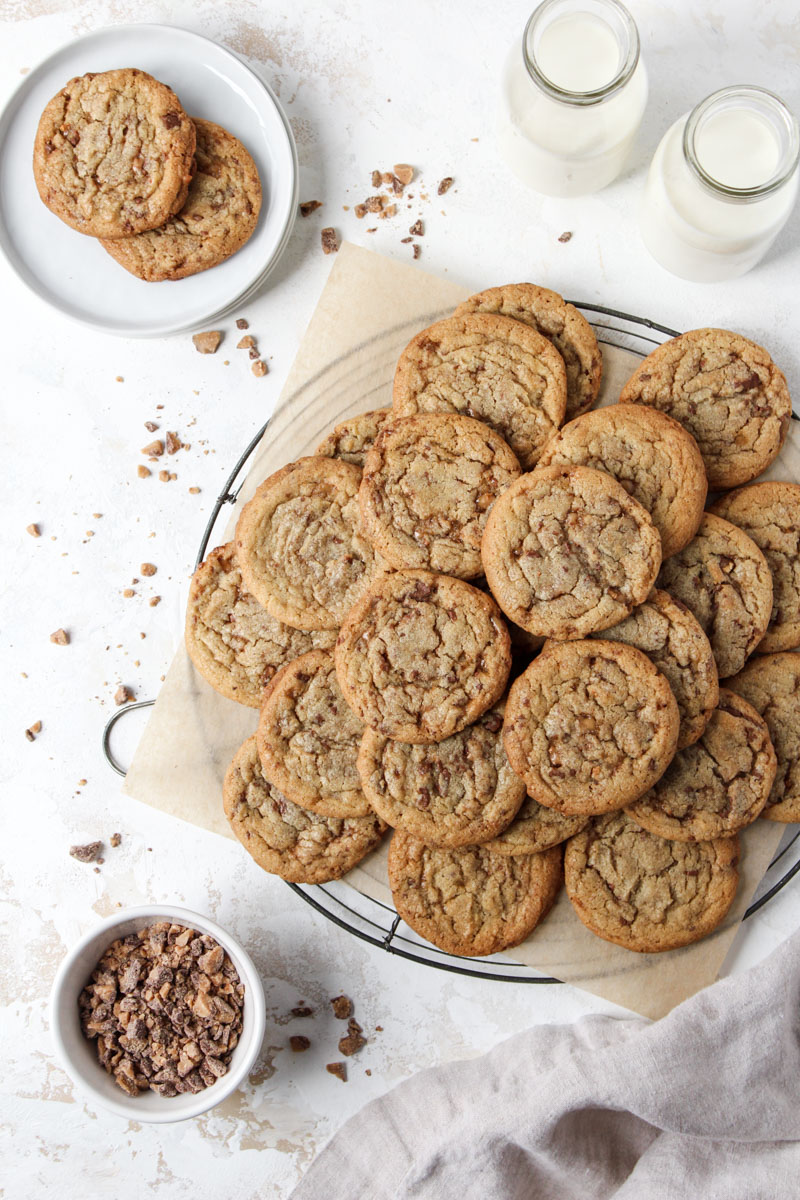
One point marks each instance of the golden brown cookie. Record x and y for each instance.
(536, 828)
(220, 214)
(726, 391)
(235, 644)
(493, 368)
(723, 578)
(285, 839)
(352, 438)
(561, 323)
(300, 547)
(647, 893)
(590, 726)
(422, 655)
(567, 552)
(308, 739)
(113, 153)
(655, 459)
(772, 685)
(428, 484)
(717, 786)
(470, 901)
(769, 513)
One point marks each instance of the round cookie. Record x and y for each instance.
(772, 685)
(470, 901)
(654, 458)
(233, 642)
(726, 391)
(769, 513)
(458, 792)
(352, 438)
(536, 828)
(647, 893)
(285, 839)
(493, 368)
(567, 552)
(718, 785)
(220, 214)
(308, 739)
(561, 323)
(113, 153)
(422, 655)
(723, 579)
(428, 484)
(300, 547)
(590, 726)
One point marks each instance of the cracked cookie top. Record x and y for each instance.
(590, 726)
(655, 459)
(428, 484)
(724, 579)
(471, 901)
(113, 153)
(352, 438)
(536, 828)
(567, 552)
(772, 685)
(726, 391)
(493, 368)
(422, 655)
(648, 893)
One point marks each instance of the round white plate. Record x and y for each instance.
(72, 272)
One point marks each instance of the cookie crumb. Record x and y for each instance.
(376, 179)
(360, 210)
(148, 568)
(565, 236)
(115, 838)
(389, 211)
(302, 1010)
(122, 695)
(164, 476)
(207, 343)
(87, 853)
(330, 242)
(154, 600)
(143, 471)
(128, 593)
(417, 229)
(241, 323)
(31, 733)
(299, 1042)
(33, 530)
(155, 449)
(444, 185)
(246, 342)
(259, 368)
(173, 442)
(353, 1040)
(342, 1007)
(403, 172)
(60, 637)
(339, 1069)
(194, 491)
(150, 426)
(306, 208)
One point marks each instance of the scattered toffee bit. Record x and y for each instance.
(194, 491)
(416, 249)
(444, 185)
(33, 530)
(360, 210)
(565, 236)
(149, 568)
(173, 443)
(143, 471)
(374, 204)
(342, 1007)
(374, 229)
(150, 426)
(154, 600)
(246, 342)
(330, 244)
(404, 241)
(299, 1042)
(368, 1072)
(154, 449)
(339, 1069)
(302, 1010)
(376, 179)
(354, 1039)
(118, 379)
(417, 229)
(128, 593)
(164, 476)
(207, 343)
(404, 173)
(379, 1029)
(259, 367)
(165, 1006)
(31, 732)
(241, 323)
(253, 352)
(60, 637)
(88, 853)
(122, 695)
(306, 208)
(115, 838)
(389, 211)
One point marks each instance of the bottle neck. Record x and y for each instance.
(580, 52)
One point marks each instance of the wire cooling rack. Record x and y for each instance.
(371, 920)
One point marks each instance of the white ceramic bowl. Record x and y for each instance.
(78, 1055)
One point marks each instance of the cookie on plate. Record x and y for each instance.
(561, 323)
(351, 439)
(772, 685)
(567, 552)
(655, 459)
(113, 153)
(428, 484)
(220, 214)
(493, 368)
(470, 901)
(726, 391)
(717, 786)
(422, 655)
(724, 579)
(536, 828)
(769, 513)
(647, 893)
(590, 726)
(287, 840)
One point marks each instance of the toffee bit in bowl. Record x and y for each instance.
(342, 1007)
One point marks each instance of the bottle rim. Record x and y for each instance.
(595, 95)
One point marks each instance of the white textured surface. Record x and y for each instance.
(416, 85)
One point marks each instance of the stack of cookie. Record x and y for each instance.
(117, 158)
(381, 595)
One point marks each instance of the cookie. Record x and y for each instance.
(726, 391)
(285, 839)
(493, 368)
(299, 544)
(220, 214)
(458, 792)
(654, 458)
(113, 153)
(561, 323)
(352, 438)
(233, 642)
(647, 893)
(421, 656)
(567, 552)
(471, 901)
(769, 513)
(536, 828)
(723, 578)
(308, 739)
(772, 685)
(717, 786)
(428, 484)
(590, 726)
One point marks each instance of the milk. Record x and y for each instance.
(578, 52)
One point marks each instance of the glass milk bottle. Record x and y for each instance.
(721, 185)
(573, 96)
